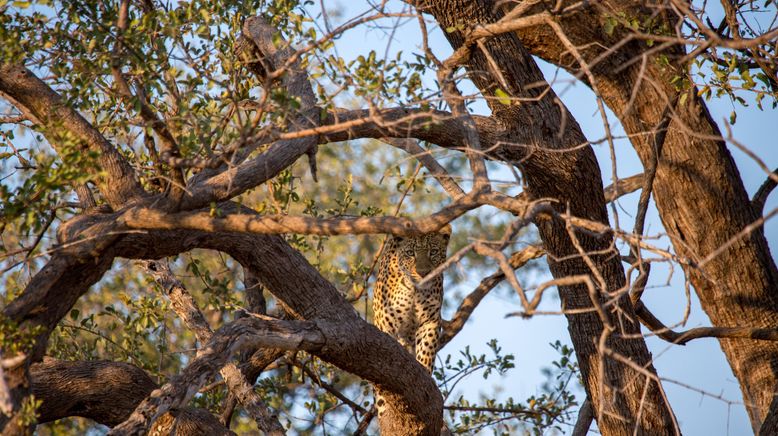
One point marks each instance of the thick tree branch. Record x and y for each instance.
(106, 392)
(251, 363)
(344, 124)
(281, 154)
(251, 366)
(147, 218)
(438, 127)
(584, 420)
(38, 101)
(561, 166)
(623, 187)
(695, 175)
(410, 393)
(60, 282)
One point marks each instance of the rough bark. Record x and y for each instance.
(573, 179)
(251, 366)
(698, 190)
(251, 331)
(103, 391)
(188, 421)
(251, 363)
(71, 267)
(537, 136)
(413, 399)
(63, 280)
(107, 392)
(415, 405)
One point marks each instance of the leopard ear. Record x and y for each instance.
(445, 232)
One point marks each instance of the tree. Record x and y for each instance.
(179, 128)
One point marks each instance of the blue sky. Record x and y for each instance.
(708, 399)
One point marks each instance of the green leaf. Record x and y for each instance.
(610, 25)
(502, 97)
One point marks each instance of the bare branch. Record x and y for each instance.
(468, 305)
(187, 310)
(685, 194)
(251, 331)
(585, 418)
(13, 119)
(105, 392)
(430, 163)
(760, 198)
(682, 338)
(623, 187)
(147, 218)
(309, 295)
(169, 146)
(281, 154)
(517, 411)
(329, 388)
(251, 364)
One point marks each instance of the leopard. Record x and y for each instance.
(402, 308)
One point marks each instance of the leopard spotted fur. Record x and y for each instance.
(407, 312)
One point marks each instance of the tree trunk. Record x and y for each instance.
(625, 401)
(698, 190)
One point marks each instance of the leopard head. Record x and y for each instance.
(417, 256)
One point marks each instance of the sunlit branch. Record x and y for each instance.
(186, 308)
(253, 331)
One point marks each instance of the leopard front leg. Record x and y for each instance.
(427, 339)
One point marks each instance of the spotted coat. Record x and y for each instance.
(407, 312)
